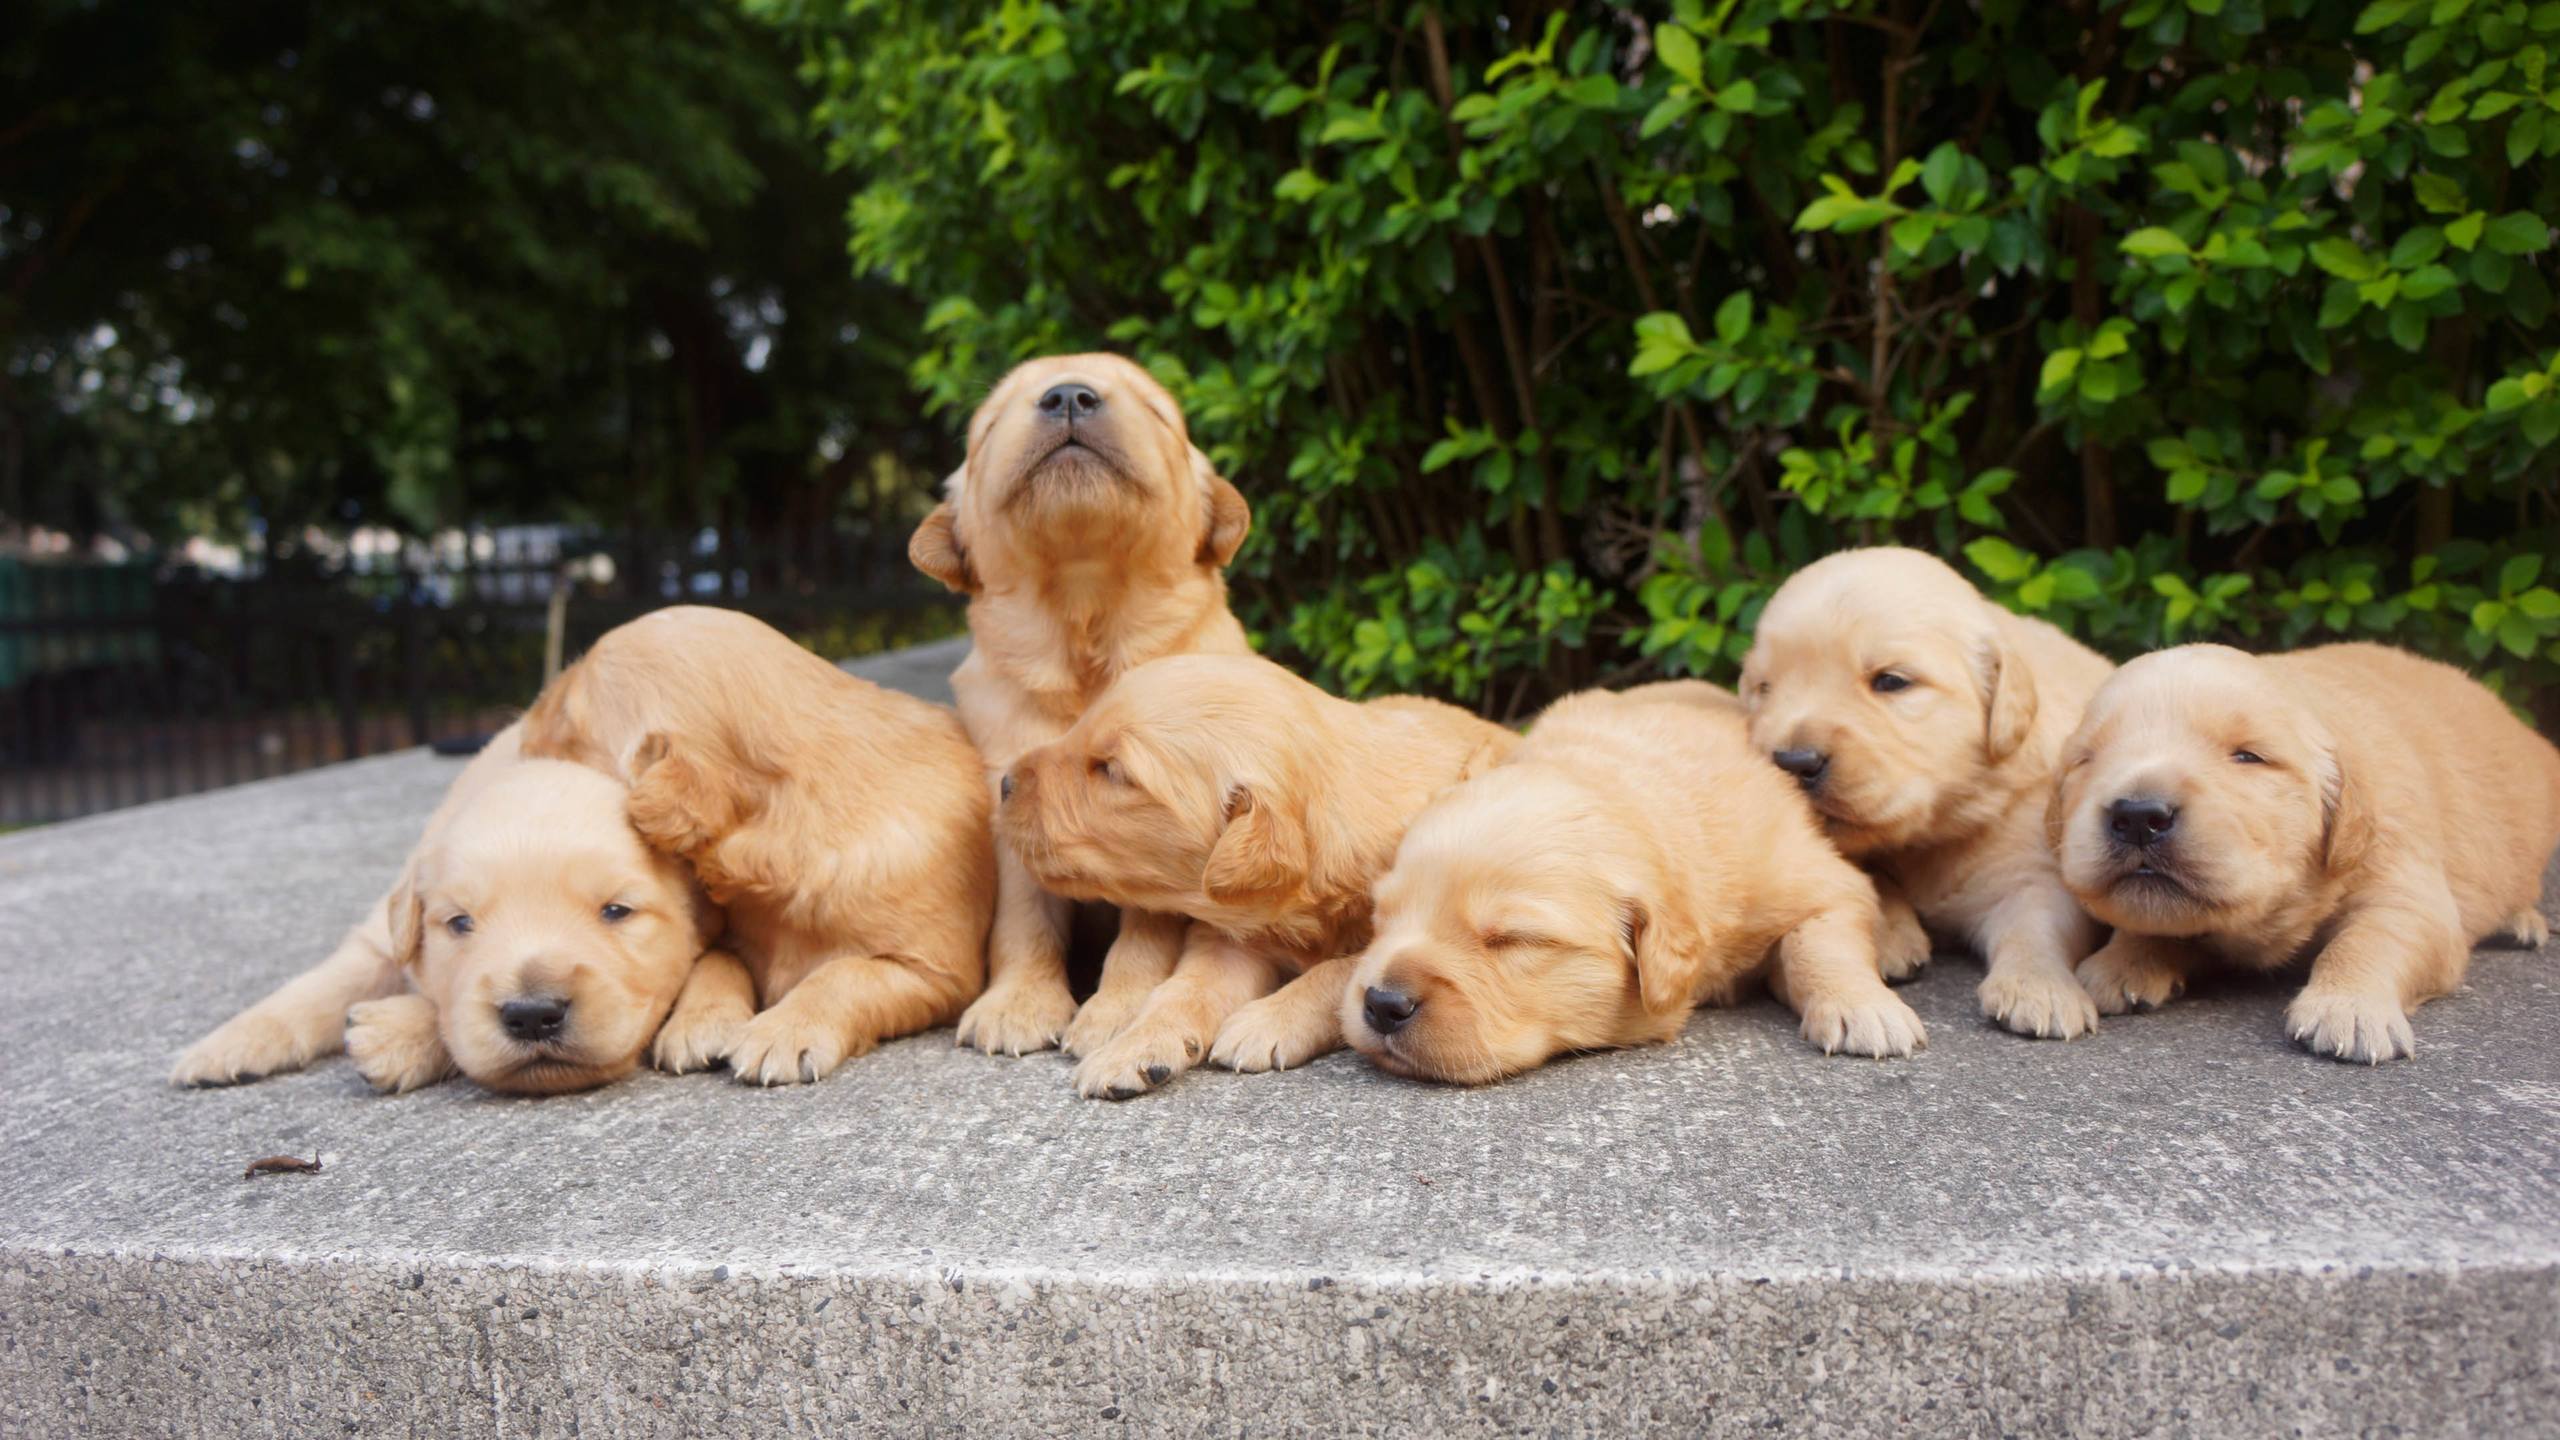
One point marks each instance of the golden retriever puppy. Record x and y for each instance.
(2354, 804)
(1634, 858)
(1226, 789)
(1090, 536)
(843, 827)
(1925, 724)
(533, 943)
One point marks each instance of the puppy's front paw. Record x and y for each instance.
(2367, 1029)
(2121, 978)
(1135, 1061)
(245, 1047)
(1274, 1033)
(697, 1039)
(1902, 944)
(784, 1046)
(2047, 1007)
(396, 1045)
(1017, 1019)
(1098, 1019)
(1882, 1026)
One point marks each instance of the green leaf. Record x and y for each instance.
(1739, 97)
(2519, 572)
(2341, 257)
(1733, 317)
(2519, 232)
(2382, 14)
(2000, 560)
(2059, 367)
(1939, 175)
(2440, 194)
(1678, 50)
(2153, 241)
(2465, 232)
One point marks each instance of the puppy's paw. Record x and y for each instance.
(1274, 1033)
(396, 1045)
(2366, 1029)
(246, 1047)
(2047, 1007)
(784, 1046)
(697, 1039)
(1099, 1018)
(1017, 1019)
(1902, 945)
(1136, 1061)
(2121, 978)
(2525, 929)
(1881, 1026)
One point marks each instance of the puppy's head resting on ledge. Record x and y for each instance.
(2199, 795)
(551, 941)
(1894, 693)
(1523, 919)
(1078, 460)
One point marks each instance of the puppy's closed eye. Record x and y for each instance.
(1109, 772)
(1889, 682)
(2248, 757)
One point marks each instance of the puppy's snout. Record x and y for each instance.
(534, 1017)
(1804, 763)
(1072, 400)
(1388, 1010)
(2141, 820)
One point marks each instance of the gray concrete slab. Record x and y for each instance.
(2181, 1225)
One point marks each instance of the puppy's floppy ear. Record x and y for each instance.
(1669, 953)
(2346, 821)
(1261, 853)
(2008, 694)
(679, 805)
(935, 548)
(1225, 518)
(405, 906)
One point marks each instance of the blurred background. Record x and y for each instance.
(346, 349)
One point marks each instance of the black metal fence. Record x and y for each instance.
(134, 681)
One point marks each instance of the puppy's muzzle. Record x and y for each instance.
(1387, 1011)
(1806, 764)
(2141, 821)
(534, 1018)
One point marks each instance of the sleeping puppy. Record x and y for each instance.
(533, 943)
(1226, 789)
(2354, 804)
(842, 826)
(1924, 723)
(1090, 537)
(1634, 858)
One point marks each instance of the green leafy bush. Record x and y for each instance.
(1548, 340)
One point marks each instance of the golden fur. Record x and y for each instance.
(1938, 786)
(842, 826)
(1633, 858)
(1081, 561)
(503, 900)
(2353, 803)
(1225, 789)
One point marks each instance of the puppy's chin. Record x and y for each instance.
(547, 1075)
(2146, 894)
(1078, 478)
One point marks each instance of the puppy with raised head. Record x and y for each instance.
(2353, 804)
(1635, 857)
(1227, 790)
(533, 943)
(843, 827)
(1925, 724)
(1090, 536)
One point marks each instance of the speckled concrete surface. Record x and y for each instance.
(2183, 1225)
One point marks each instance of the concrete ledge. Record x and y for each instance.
(2182, 1225)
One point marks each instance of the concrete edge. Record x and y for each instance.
(170, 1346)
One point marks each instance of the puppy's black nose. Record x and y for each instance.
(1806, 765)
(1071, 401)
(1004, 787)
(2141, 820)
(1388, 1010)
(536, 1018)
